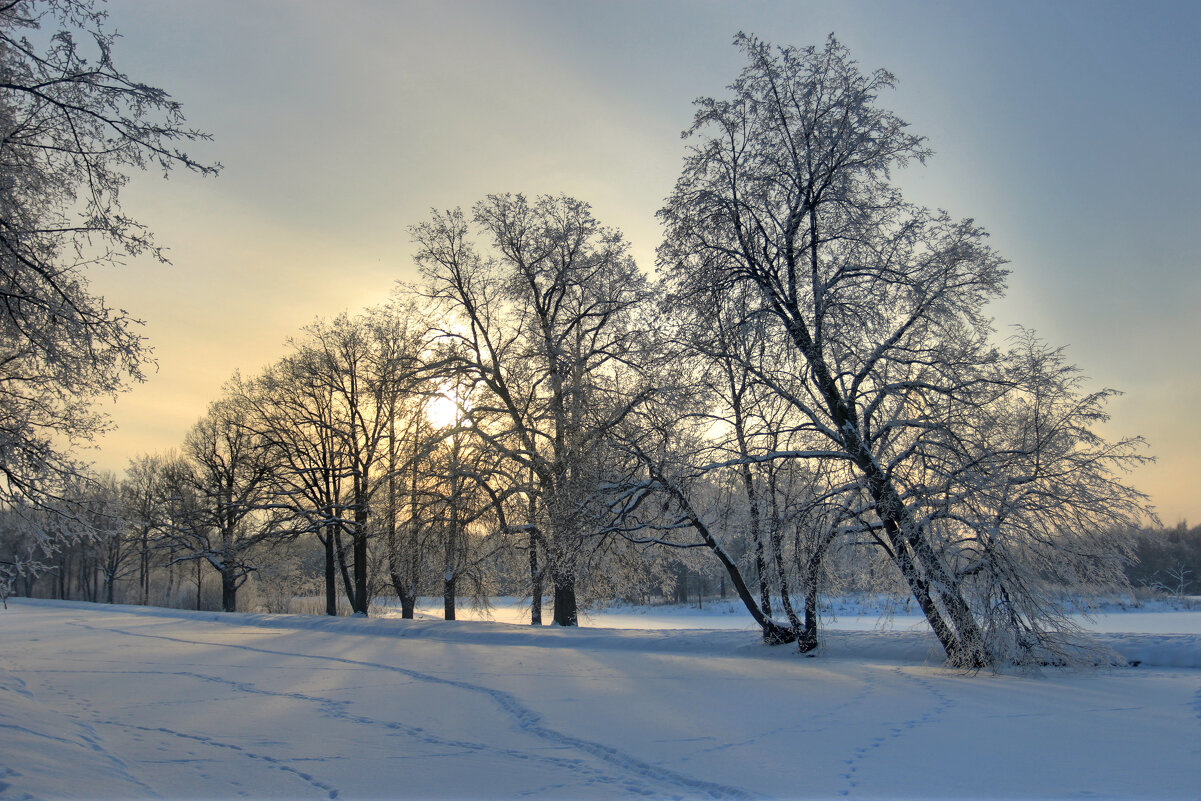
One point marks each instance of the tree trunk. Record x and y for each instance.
(360, 570)
(808, 640)
(750, 490)
(331, 577)
(566, 613)
(757, 537)
(144, 569)
(171, 579)
(229, 590)
(229, 586)
(401, 587)
(448, 596)
(535, 586)
(340, 552)
(961, 639)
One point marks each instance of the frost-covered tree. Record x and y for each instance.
(1167, 560)
(216, 496)
(140, 502)
(462, 505)
(547, 317)
(408, 516)
(115, 544)
(72, 128)
(293, 409)
(786, 192)
(326, 414)
(81, 539)
(368, 362)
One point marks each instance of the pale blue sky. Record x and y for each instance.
(1069, 130)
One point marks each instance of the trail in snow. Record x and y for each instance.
(523, 717)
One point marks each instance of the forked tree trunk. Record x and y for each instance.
(924, 572)
(344, 569)
(406, 591)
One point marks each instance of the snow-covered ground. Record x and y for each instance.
(125, 702)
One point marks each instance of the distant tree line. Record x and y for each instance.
(1167, 560)
(807, 398)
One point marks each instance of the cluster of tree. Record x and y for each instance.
(842, 333)
(1167, 560)
(809, 397)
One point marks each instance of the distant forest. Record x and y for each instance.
(1167, 560)
(1167, 564)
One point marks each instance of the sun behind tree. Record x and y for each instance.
(446, 408)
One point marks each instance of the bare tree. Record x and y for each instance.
(115, 541)
(406, 511)
(787, 192)
(548, 327)
(140, 499)
(72, 127)
(369, 363)
(219, 509)
(293, 409)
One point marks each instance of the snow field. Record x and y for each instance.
(123, 702)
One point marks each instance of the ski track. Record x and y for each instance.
(524, 718)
